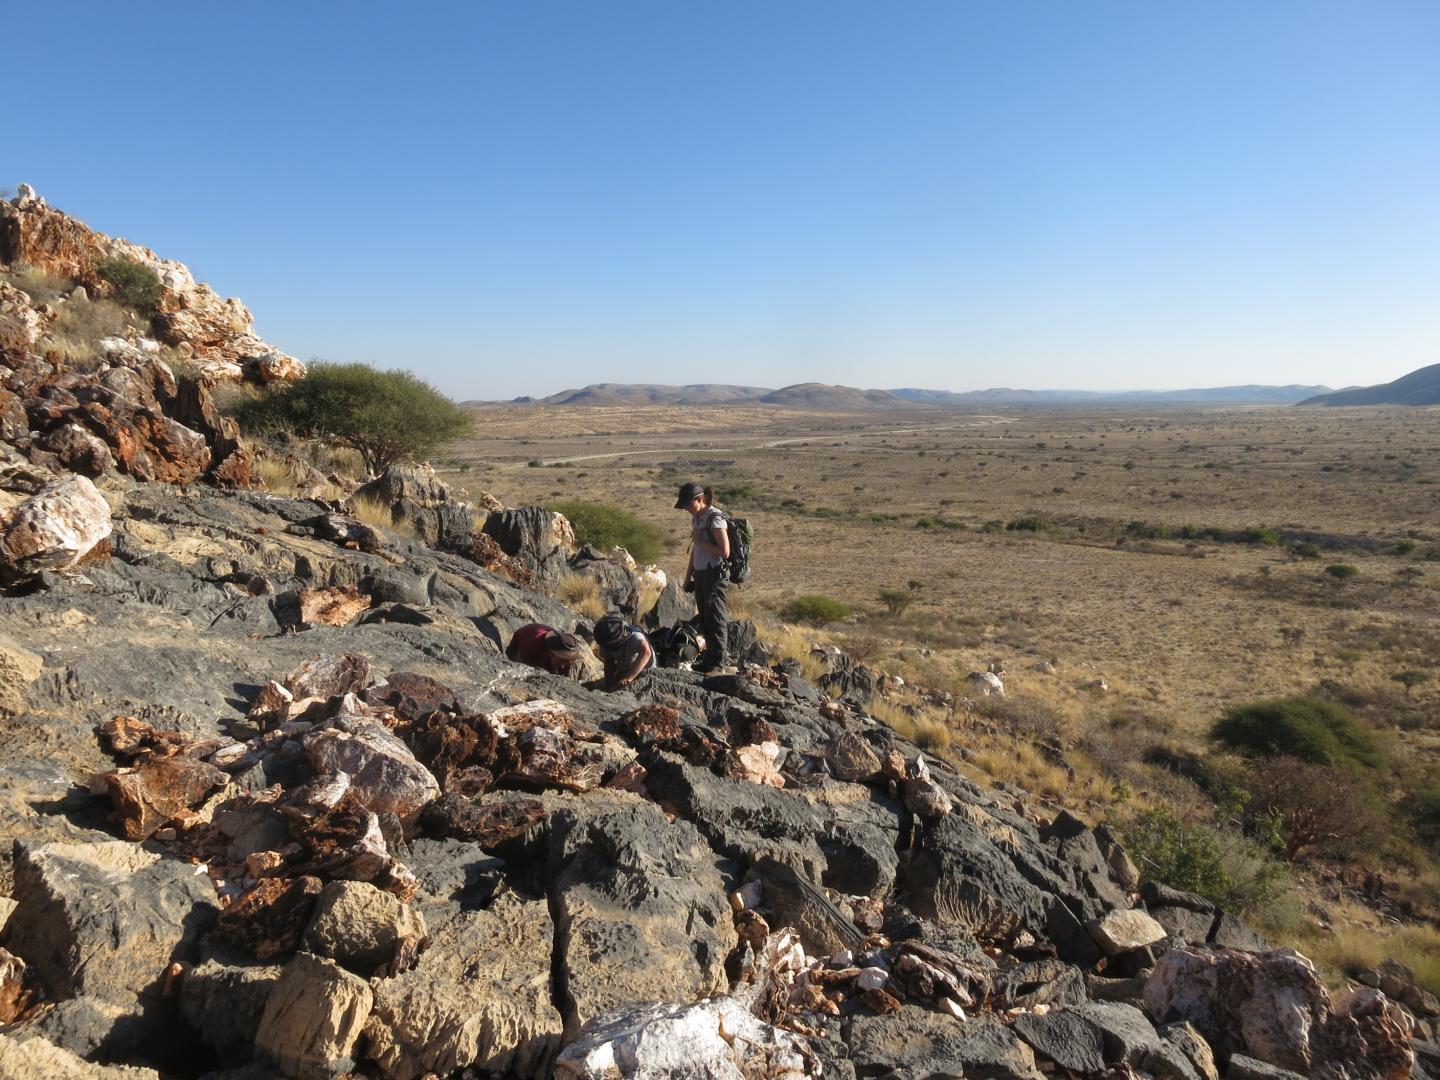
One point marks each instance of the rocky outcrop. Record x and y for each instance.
(214, 333)
(382, 848)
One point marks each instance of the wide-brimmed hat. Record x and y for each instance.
(564, 646)
(688, 492)
(609, 631)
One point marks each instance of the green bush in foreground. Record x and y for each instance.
(387, 416)
(135, 285)
(1342, 570)
(1321, 732)
(814, 610)
(609, 526)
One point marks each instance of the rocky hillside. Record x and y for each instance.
(278, 806)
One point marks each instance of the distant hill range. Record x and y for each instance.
(1421, 387)
(1216, 395)
(799, 396)
(840, 398)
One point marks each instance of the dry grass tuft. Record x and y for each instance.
(276, 475)
(378, 515)
(581, 594)
(1019, 763)
(928, 728)
(788, 643)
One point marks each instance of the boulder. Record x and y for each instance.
(916, 1042)
(384, 775)
(156, 790)
(614, 580)
(37, 1057)
(313, 1018)
(673, 607)
(478, 998)
(717, 1039)
(359, 927)
(103, 921)
(55, 528)
(224, 1004)
(541, 540)
(78, 450)
(640, 909)
(1272, 1006)
(1120, 931)
(851, 757)
(329, 676)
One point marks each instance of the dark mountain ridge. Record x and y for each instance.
(1420, 387)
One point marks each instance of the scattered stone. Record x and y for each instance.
(37, 1057)
(489, 824)
(384, 775)
(338, 606)
(329, 676)
(156, 791)
(852, 758)
(270, 919)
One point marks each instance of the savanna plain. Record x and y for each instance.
(1135, 576)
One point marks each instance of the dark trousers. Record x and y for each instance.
(710, 586)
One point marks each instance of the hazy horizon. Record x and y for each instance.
(517, 200)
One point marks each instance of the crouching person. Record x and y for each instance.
(548, 649)
(625, 650)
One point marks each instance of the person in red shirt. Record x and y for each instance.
(546, 648)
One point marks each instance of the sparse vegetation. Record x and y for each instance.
(610, 526)
(814, 610)
(1342, 570)
(1218, 864)
(386, 416)
(582, 594)
(1320, 732)
(132, 284)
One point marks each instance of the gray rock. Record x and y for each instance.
(640, 909)
(1231, 933)
(851, 757)
(1064, 1037)
(1183, 924)
(224, 1004)
(916, 1043)
(673, 607)
(383, 772)
(539, 538)
(1126, 1032)
(103, 921)
(1242, 1067)
(1122, 931)
(37, 1057)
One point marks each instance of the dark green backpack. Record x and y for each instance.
(741, 535)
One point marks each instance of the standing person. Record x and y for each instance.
(707, 572)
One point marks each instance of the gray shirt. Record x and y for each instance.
(704, 525)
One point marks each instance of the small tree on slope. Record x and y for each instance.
(387, 416)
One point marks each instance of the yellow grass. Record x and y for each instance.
(929, 729)
(581, 594)
(276, 475)
(378, 515)
(788, 643)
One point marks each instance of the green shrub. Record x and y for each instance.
(814, 610)
(1306, 550)
(1220, 865)
(1405, 547)
(1265, 536)
(896, 601)
(1321, 732)
(1423, 809)
(1027, 524)
(133, 284)
(386, 416)
(609, 526)
(1342, 570)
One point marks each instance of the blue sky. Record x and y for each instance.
(516, 198)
